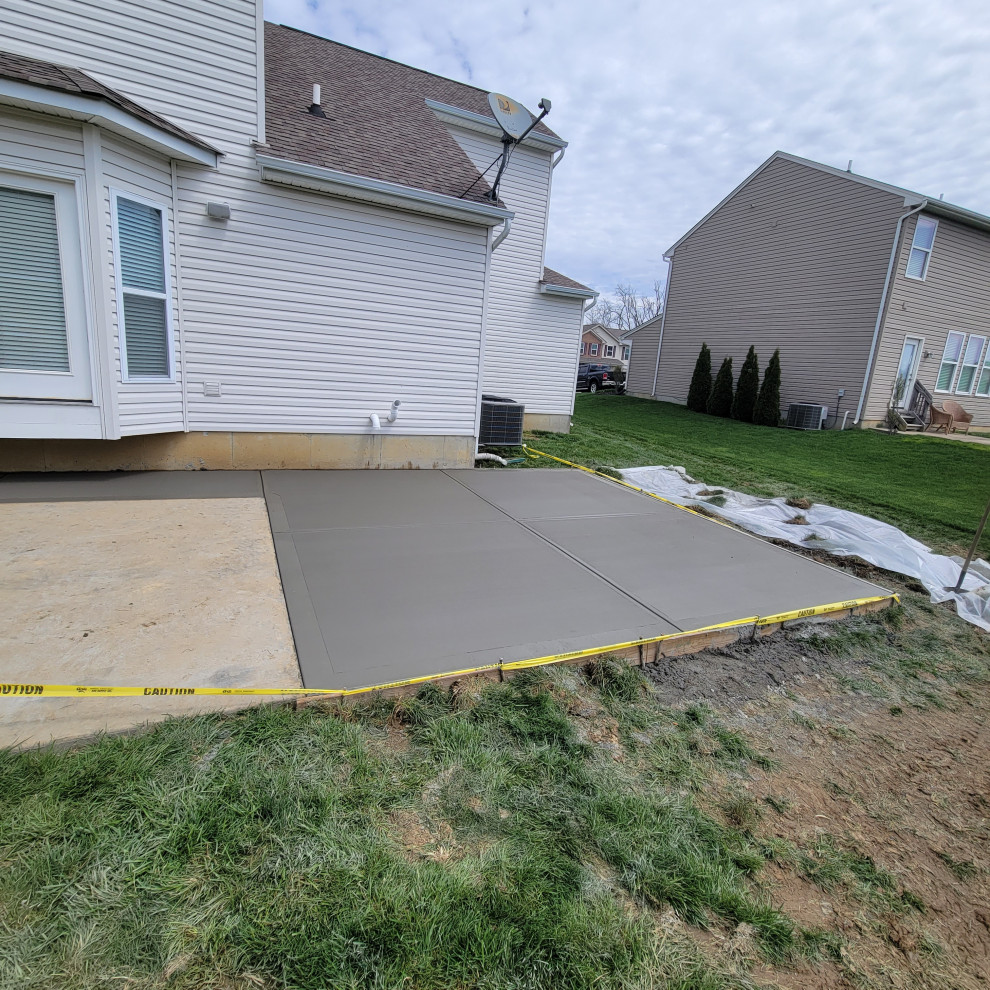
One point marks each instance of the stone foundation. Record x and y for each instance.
(223, 451)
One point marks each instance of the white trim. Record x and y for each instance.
(67, 191)
(663, 322)
(125, 376)
(95, 110)
(927, 251)
(915, 366)
(489, 125)
(882, 309)
(259, 70)
(101, 339)
(179, 301)
(377, 191)
(977, 367)
(955, 370)
(564, 290)
(484, 335)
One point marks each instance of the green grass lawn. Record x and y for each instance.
(933, 489)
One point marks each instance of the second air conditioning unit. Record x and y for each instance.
(806, 416)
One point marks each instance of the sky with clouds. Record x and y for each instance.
(668, 106)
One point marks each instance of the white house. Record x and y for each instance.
(205, 263)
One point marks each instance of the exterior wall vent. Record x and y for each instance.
(805, 416)
(501, 421)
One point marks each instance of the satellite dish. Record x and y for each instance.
(513, 117)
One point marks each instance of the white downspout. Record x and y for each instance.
(663, 320)
(883, 305)
(503, 233)
(554, 162)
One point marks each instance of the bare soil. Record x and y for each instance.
(893, 773)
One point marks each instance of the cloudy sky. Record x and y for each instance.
(668, 106)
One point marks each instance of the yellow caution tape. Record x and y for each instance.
(100, 691)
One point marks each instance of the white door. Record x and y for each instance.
(907, 369)
(44, 350)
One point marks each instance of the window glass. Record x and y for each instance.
(950, 361)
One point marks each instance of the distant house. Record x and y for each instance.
(602, 345)
(204, 262)
(858, 282)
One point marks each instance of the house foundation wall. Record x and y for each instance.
(225, 451)
(550, 422)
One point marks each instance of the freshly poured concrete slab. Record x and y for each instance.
(170, 593)
(688, 569)
(124, 485)
(554, 494)
(696, 573)
(406, 574)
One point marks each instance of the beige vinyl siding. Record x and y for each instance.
(532, 339)
(643, 359)
(795, 260)
(148, 407)
(955, 295)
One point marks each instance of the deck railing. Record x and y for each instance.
(921, 403)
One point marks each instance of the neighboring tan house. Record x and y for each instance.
(604, 345)
(857, 282)
(205, 264)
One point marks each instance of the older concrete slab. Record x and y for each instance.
(177, 593)
(127, 485)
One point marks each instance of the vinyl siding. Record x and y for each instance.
(532, 340)
(955, 295)
(313, 313)
(795, 260)
(643, 359)
(192, 61)
(127, 168)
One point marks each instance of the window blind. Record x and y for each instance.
(142, 278)
(32, 307)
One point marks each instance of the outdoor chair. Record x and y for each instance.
(959, 415)
(940, 419)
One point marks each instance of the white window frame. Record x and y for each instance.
(927, 251)
(162, 207)
(976, 366)
(984, 369)
(626, 351)
(77, 382)
(608, 350)
(955, 371)
(593, 350)
(583, 346)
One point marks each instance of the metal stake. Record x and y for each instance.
(972, 550)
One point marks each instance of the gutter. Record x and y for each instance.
(883, 305)
(101, 112)
(549, 289)
(663, 319)
(346, 185)
(488, 125)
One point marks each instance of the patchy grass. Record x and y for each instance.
(903, 480)
(509, 842)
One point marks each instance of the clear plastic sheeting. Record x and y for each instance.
(835, 531)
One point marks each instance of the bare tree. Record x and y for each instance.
(625, 308)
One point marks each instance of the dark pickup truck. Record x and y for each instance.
(592, 377)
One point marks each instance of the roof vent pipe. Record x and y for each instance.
(314, 108)
(849, 167)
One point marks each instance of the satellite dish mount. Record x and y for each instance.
(516, 123)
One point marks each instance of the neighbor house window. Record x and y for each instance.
(950, 361)
(583, 346)
(142, 290)
(594, 348)
(921, 248)
(970, 364)
(625, 352)
(983, 385)
(609, 350)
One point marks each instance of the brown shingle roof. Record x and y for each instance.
(69, 80)
(377, 122)
(550, 277)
